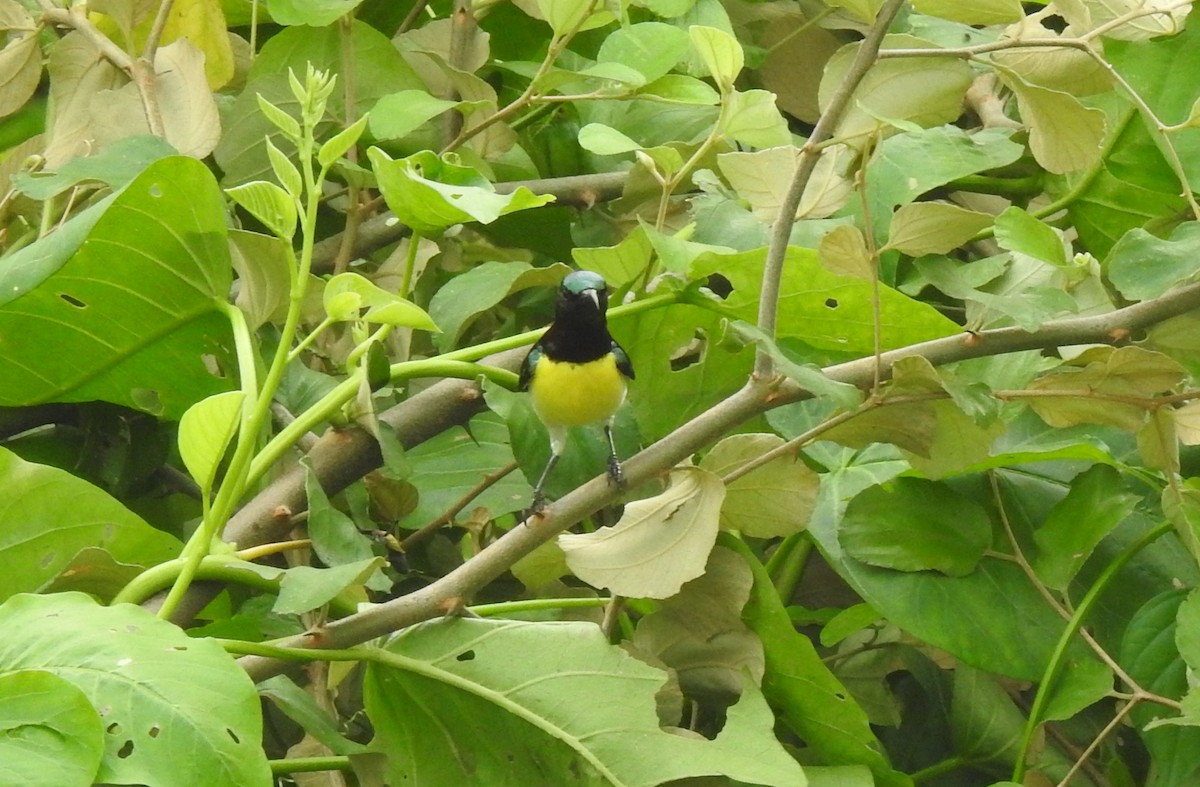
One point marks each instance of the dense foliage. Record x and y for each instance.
(910, 490)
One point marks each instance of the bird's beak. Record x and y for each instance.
(595, 296)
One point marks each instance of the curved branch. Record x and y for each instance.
(451, 591)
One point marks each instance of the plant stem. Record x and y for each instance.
(1058, 658)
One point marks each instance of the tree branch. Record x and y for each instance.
(757, 396)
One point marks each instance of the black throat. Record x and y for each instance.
(579, 333)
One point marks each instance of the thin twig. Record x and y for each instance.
(447, 517)
(781, 230)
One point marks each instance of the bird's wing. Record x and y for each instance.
(528, 365)
(624, 365)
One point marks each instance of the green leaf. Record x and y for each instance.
(335, 538)
(843, 251)
(50, 735)
(700, 635)
(336, 146)
(1018, 231)
(986, 723)
(447, 685)
(1095, 505)
(827, 311)
(1064, 135)
(907, 165)
(128, 306)
(40, 536)
(161, 692)
(754, 120)
(305, 588)
(268, 203)
(302, 708)
(774, 499)
(973, 12)
(430, 194)
(810, 698)
(278, 118)
(455, 462)
(204, 433)
(650, 48)
(762, 178)
(1150, 653)
(721, 53)
(934, 227)
(565, 16)
(912, 524)
(681, 89)
(473, 293)
(927, 91)
(1143, 266)
(346, 294)
(605, 141)
(399, 114)
(263, 264)
(285, 171)
(658, 544)
(115, 165)
(317, 13)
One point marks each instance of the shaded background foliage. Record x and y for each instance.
(909, 287)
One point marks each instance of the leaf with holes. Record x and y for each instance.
(125, 306)
(49, 516)
(50, 735)
(574, 709)
(158, 691)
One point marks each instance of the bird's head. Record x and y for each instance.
(581, 289)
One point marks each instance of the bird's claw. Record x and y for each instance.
(614, 472)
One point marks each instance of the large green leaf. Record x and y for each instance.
(50, 735)
(162, 695)
(48, 516)
(823, 309)
(129, 314)
(573, 708)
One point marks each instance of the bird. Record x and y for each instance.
(576, 374)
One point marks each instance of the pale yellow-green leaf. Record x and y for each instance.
(1087, 15)
(262, 263)
(285, 171)
(605, 141)
(1181, 505)
(762, 178)
(862, 10)
(189, 111)
(1078, 389)
(1064, 135)
(972, 12)
(202, 22)
(774, 499)
(1158, 440)
(1193, 118)
(927, 91)
(78, 73)
(565, 16)
(699, 632)
(1057, 68)
(843, 250)
(20, 59)
(958, 442)
(268, 203)
(1187, 423)
(909, 426)
(753, 119)
(339, 143)
(346, 293)
(541, 566)
(933, 227)
(658, 544)
(204, 433)
(280, 119)
(721, 53)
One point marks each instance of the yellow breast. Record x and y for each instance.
(574, 394)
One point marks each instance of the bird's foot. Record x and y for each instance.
(536, 506)
(614, 472)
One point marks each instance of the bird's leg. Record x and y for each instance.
(539, 497)
(614, 464)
